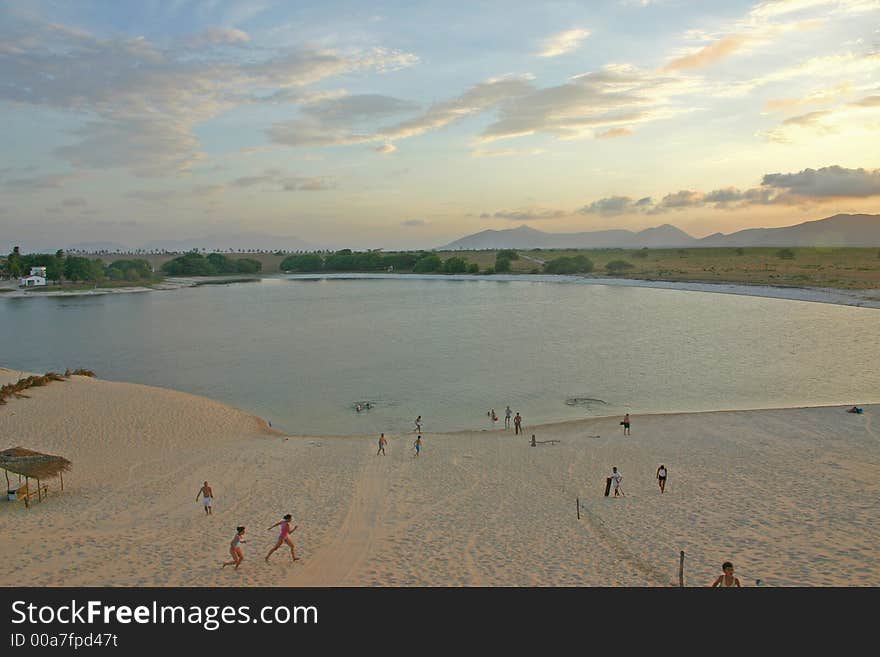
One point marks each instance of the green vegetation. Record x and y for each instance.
(17, 388)
(502, 265)
(473, 268)
(195, 264)
(618, 266)
(428, 264)
(507, 254)
(579, 264)
(455, 265)
(62, 269)
(785, 254)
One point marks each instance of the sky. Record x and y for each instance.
(407, 125)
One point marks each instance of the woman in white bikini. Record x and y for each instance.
(235, 548)
(284, 537)
(727, 580)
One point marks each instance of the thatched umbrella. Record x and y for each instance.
(33, 465)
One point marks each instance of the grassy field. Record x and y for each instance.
(843, 268)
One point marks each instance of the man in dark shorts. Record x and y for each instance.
(517, 423)
(625, 424)
(662, 473)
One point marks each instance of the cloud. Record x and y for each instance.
(218, 36)
(414, 223)
(386, 149)
(279, 181)
(709, 54)
(808, 185)
(338, 120)
(563, 43)
(614, 133)
(610, 206)
(845, 117)
(144, 101)
(77, 202)
(41, 182)
(827, 182)
(531, 214)
(506, 152)
(616, 96)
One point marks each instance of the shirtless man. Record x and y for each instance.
(382, 442)
(207, 498)
(517, 423)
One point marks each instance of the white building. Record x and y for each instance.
(38, 271)
(32, 281)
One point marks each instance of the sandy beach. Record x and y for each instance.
(790, 496)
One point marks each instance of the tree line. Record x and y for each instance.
(61, 267)
(195, 264)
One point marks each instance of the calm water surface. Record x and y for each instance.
(301, 353)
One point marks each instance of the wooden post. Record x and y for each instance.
(27, 494)
(578, 500)
(39, 492)
(681, 570)
(61, 474)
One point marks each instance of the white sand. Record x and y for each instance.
(790, 496)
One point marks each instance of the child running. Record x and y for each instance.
(417, 445)
(283, 536)
(235, 548)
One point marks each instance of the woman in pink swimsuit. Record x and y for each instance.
(284, 536)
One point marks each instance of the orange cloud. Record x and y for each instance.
(710, 54)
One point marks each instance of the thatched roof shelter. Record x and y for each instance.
(32, 464)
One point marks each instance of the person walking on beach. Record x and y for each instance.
(517, 423)
(382, 442)
(419, 424)
(616, 477)
(507, 414)
(417, 445)
(207, 498)
(235, 548)
(728, 580)
(283, 536)
(625, 424)
(662, 473)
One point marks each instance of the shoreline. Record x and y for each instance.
(861, 297)
(789, 495)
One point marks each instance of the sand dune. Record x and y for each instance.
(790, 496)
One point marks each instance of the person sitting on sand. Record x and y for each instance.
(235, 548)
(382, 442)
(662, 473)
(854, 409)
(283, 536)
(727, 580)
(417, 445)
(207, 498)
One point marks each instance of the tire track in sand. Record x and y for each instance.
(338, 563)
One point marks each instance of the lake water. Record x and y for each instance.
(301, 353)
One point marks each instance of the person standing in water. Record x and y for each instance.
(417, 445)
(507, 414)
(235, 548)
(517, 423)
(283, 536)
(728, 580)
(625, 424)
(382, 442)
(419, 423)
(662, 473)
(207, 498)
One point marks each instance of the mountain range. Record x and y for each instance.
(839, 230)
